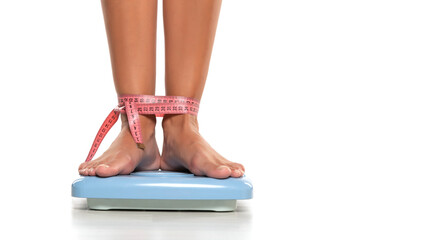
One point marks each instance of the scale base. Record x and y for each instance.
(161, 204)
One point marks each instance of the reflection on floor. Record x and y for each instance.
(120, 224)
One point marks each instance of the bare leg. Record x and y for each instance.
(190, 27)
(131, 32)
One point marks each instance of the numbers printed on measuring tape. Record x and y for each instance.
(133, 105)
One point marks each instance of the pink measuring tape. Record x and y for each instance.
(133, 105)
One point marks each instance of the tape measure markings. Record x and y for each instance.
(134, 105)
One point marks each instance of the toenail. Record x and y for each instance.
(104, 165)
(238, 172)
(222, 167)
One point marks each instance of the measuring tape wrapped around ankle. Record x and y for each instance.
(133, 105)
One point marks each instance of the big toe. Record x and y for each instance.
(221, 171)
(103, 170)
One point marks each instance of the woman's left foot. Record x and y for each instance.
(185, 149)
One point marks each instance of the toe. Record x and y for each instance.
(92, 168)
(104, 170)
(82, 166)
(236, 173)
(221, 171)
(83, 172)
(89, 168)
(206, 164)
(240, 167)
(91, 171)
(237, 170)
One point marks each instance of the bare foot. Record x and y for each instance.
(184, 149)
(123, 156)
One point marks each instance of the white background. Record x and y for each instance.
(326, 103)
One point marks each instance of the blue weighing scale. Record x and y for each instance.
(162, 190)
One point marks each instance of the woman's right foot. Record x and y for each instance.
(123, 156)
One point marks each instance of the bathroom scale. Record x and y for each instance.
(162, 190)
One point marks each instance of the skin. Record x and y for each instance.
(189, 27)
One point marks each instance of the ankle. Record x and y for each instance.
(147, 122)
(179, 121)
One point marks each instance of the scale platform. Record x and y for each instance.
(162, 190)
